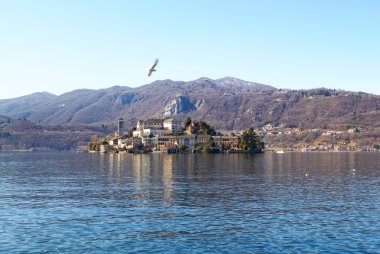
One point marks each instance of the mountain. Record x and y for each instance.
(227, 103)
(231, 83)
(22, 107)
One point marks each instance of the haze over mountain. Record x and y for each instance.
(227, 103)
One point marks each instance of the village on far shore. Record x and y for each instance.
(174, 136)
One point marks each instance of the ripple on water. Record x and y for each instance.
(63, 202)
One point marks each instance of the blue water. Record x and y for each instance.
(160, 203)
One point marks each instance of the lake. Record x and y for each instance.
(190, 203)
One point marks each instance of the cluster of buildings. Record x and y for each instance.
(305, 140)
(168, 135)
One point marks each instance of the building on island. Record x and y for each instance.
(130, 143)
(167, 142)
(203, 139)
(168, 134)
(156, 127)
(149, 141)
(152, 123)
(120, 127)
(187, 140)
(147, 132)
(231, 142)
(172, 125)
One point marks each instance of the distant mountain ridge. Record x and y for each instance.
(22, 106)
(227, 103)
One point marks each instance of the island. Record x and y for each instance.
(174, 136)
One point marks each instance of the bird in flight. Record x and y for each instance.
(151, 69)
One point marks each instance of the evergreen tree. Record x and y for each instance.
(249, 141)
(187, 121)
(202, 128)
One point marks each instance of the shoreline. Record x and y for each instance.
(188, 152)
(242, 152)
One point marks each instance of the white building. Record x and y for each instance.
(156, 127)
(267, 127)
(150, 124)
(148, 132)
(113, 142)
(172, 125)
(121, 142)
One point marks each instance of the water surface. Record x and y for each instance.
(163, 203)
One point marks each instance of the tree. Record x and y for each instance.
(182, 147)
(210, 147)
(187, 121)
(93, 146)
(5, 134)
(249, 141)
(202, 128)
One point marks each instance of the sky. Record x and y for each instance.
(62, 45)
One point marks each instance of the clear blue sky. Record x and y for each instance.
(62, 45)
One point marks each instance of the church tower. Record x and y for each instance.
(120, 127)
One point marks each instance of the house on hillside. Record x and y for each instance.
(267, 127)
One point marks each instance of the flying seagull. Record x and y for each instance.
(151, 69)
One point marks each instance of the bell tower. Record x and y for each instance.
(120, 127)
